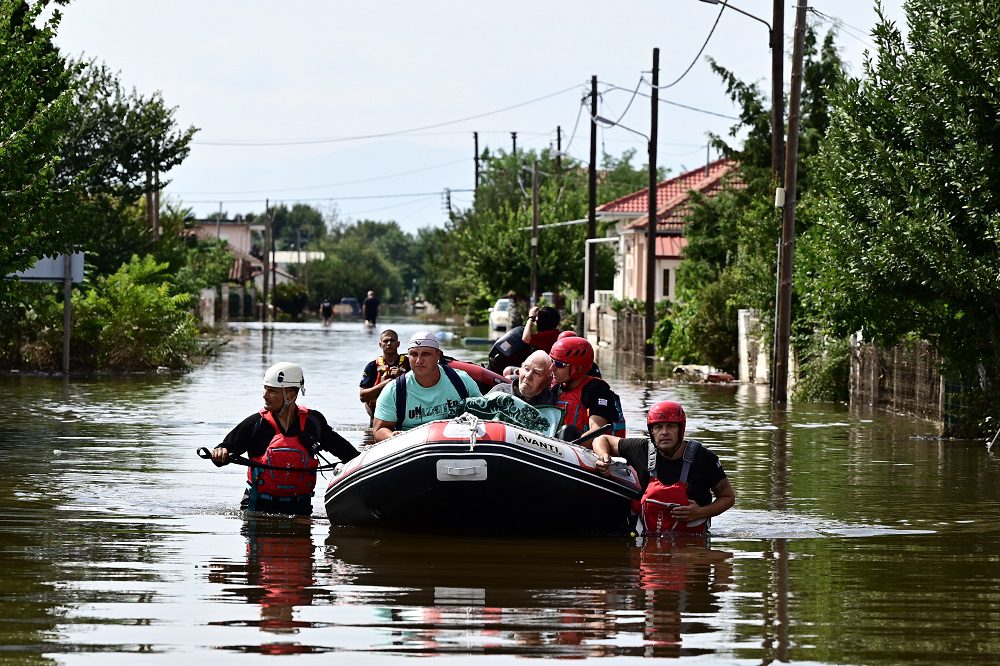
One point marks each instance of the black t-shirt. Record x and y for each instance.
(705, 473)
(600, 400)
(253, 434)
(370, 307)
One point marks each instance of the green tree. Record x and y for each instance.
(351, 267)
(397, 246)
(908, 233)
(491, 240)
(730, 259)
(132, 320)
(37, 112)
(291, 298)
(298, 226)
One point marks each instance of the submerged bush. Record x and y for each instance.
(132, 321)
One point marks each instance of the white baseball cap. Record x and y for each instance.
(423, 339)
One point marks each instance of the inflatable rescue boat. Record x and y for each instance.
(471, 474)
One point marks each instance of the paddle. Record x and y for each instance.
(591, 434)
(240, 460)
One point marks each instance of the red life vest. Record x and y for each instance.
(571, 402)
(659, 499)
(284, 451)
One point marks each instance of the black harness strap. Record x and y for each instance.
(450, 373)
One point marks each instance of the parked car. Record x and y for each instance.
(352, 303)
(500, 315)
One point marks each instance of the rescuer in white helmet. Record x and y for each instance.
(282, 435)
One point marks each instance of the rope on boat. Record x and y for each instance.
(472, 422)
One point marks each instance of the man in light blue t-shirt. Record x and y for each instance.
(431, 393)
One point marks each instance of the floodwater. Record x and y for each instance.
(856, 538)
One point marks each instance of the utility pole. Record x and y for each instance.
(777, 90)
(513, 138)
(651, 224)
(475, 140)
(558, 151)
(274, 267)
(534, 232)
(156, 203)
(447, 202)
(592, 196)
(67, 308)
(267, 259)
(781, 365)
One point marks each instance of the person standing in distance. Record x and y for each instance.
(282, 434)
(369, 309)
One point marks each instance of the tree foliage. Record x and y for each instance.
(730, 257)
(37, 112)
(76, 150)
(132, 320)
(908, 233)
(489, 245)
(300, 226)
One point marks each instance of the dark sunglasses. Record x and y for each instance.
(559, 364)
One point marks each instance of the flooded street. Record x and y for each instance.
(856, 538)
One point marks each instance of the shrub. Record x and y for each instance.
(131, 321)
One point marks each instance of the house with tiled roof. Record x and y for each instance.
(673, 202)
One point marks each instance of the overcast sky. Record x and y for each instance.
(282, 91)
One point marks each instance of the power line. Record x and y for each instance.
(612, 86)
(379, 135)
(700, 51)
(576, 124)
(839, 23)
(332, 198)
(319, 187)
(631, 99)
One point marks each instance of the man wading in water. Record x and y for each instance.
(282, 434)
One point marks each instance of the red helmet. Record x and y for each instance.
(575, 351)
(567, 334)
(666, 412)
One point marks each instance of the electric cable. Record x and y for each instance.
(838, 22)
(378, 135)
(611, 86)
(319, 187)
(698, 55)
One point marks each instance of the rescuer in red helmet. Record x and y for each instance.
(680, 476)
(588, 401)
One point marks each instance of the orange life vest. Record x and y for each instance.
(284, 451)
(382, 368)
(571, 401)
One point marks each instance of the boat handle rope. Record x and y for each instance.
(240, 460)
(473, 433)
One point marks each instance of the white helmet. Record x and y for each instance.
(285, 375)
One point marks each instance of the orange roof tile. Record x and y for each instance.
(672, 197)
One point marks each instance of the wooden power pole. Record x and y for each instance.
(784, 314)
(592, 196)
(651, 224)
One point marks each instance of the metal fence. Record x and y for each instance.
(905, 379)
